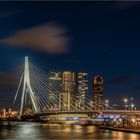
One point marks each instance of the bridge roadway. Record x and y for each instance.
(123, 112)
(87, 112)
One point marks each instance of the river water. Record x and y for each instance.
(38, 131)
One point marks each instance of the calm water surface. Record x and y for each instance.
(30, 130)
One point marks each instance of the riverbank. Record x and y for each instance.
(137, 131)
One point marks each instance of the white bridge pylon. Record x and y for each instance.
(27, 89)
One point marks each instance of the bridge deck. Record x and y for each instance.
(120, 112)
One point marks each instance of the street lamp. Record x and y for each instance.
(106, 103)
(133, 120)
(125, 102)
(132, 106)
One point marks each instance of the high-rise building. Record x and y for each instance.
(98, 91)
(69, 88)
(82, 88)
(76, 87)
(68, 82)
(55, 88)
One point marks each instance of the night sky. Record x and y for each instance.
(96, 37)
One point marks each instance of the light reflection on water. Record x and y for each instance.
(30, 130)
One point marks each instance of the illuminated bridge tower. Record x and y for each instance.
(98, 91)
(27, 89)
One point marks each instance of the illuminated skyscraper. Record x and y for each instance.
(68, 82)
(71, 88)
(97, 91)
(55, 87)
(61, 86)
(82, 88)
(76, 85)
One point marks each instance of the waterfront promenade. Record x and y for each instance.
(127, 130)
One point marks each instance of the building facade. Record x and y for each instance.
(71, 88)
(68, 82)
(55, 89)
(82, 89)
(97, 91)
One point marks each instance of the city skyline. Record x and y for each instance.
(93, 37)
(69, 70)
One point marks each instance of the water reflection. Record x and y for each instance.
(28, 130)
(24, 130)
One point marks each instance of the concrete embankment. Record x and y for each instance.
(137, 131)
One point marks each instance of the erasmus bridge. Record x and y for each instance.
(34, 91)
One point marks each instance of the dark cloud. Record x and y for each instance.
(123, 5)
(7, 14)
(6, 100)
(50, 38)
(122, 79)
(74, 61)
(8, 80)
(136, 88)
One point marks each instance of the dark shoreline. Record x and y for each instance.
(121, 129)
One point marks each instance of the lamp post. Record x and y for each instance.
(132, 104)
(125, 103)
(106, 103)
